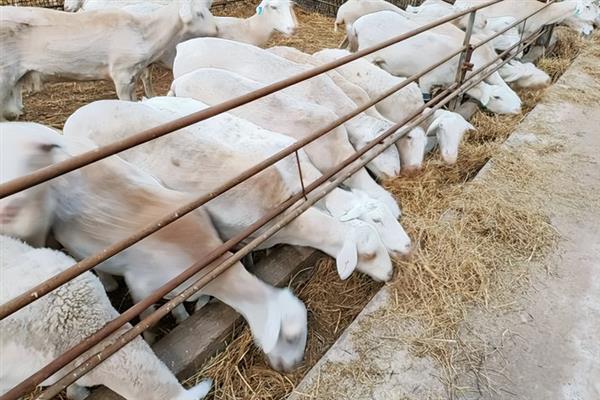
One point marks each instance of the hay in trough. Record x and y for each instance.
(568, 46)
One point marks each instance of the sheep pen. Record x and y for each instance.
(459, 263)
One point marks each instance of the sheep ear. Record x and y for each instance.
(435, 125)
(352, 213)
(185, 12)
(347, 258)
(486, 94)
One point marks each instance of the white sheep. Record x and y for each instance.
(434, 8)
(555, 13)
(402, 103)
(259, 65)
(39, 44)
(203, 156)
(297, 119)
(28, 214)
(58, 321)
(524, 75)
(418, 53)
(428, 12)
(271, 16)
(584, 19)
(410, 147)
(110, 200)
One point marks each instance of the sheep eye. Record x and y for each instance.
(274, 7)
(497, 97)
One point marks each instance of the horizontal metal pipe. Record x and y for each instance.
(215, 270)
(63, 167)
(88, 263)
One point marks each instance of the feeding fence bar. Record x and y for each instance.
(386, 139)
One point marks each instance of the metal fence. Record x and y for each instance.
(270, 223)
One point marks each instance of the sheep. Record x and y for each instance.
(400, 59)
(433, 8)
(449, 129)
(402, 103)
(410, 147)
(429, 11)
(58, 321)
(352, 10)
(553, 14)
(203, 156)
(585, 17)
(28, 214)
(297, 119)
(271, 16)
(41, 44)
(524, 75)
(110, 200)
(258, 64)
(88, 5)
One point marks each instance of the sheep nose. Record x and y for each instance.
(405, 254)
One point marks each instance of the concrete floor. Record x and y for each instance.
(547, 345)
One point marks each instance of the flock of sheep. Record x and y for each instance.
(89, 209)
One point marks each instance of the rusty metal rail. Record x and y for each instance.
(216, 262)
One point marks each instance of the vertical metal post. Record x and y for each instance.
(464, 63)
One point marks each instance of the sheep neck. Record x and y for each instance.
(258, 29)
(162, 30)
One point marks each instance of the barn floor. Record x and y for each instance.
(537, 341)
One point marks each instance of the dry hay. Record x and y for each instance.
(568, 46)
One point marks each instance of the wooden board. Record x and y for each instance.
(202, 335)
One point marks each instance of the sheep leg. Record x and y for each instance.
(125, 85)
(180, 313)
(6, 99)
(76, 392)
(140, 290)
(147, 82)
(110, 284)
